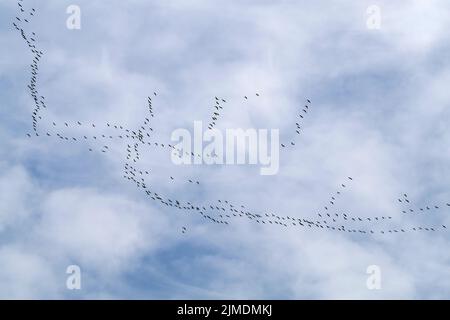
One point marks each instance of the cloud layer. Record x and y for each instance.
(379, 114)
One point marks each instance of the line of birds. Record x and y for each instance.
(220, 212)
(215, 115)
(417, 210)
(328, 215)
(226, 210)
(302, 114)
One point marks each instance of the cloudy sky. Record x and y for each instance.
(379, 113)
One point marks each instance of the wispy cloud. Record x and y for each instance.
(379, 114)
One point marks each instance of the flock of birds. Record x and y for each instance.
(302, 114)
(220, 211)
(215, 115)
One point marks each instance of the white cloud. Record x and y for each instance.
(379, 115)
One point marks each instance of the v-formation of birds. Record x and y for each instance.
(219, 211)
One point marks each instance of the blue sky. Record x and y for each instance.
(379, 114)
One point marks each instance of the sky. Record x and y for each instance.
(379, 113)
